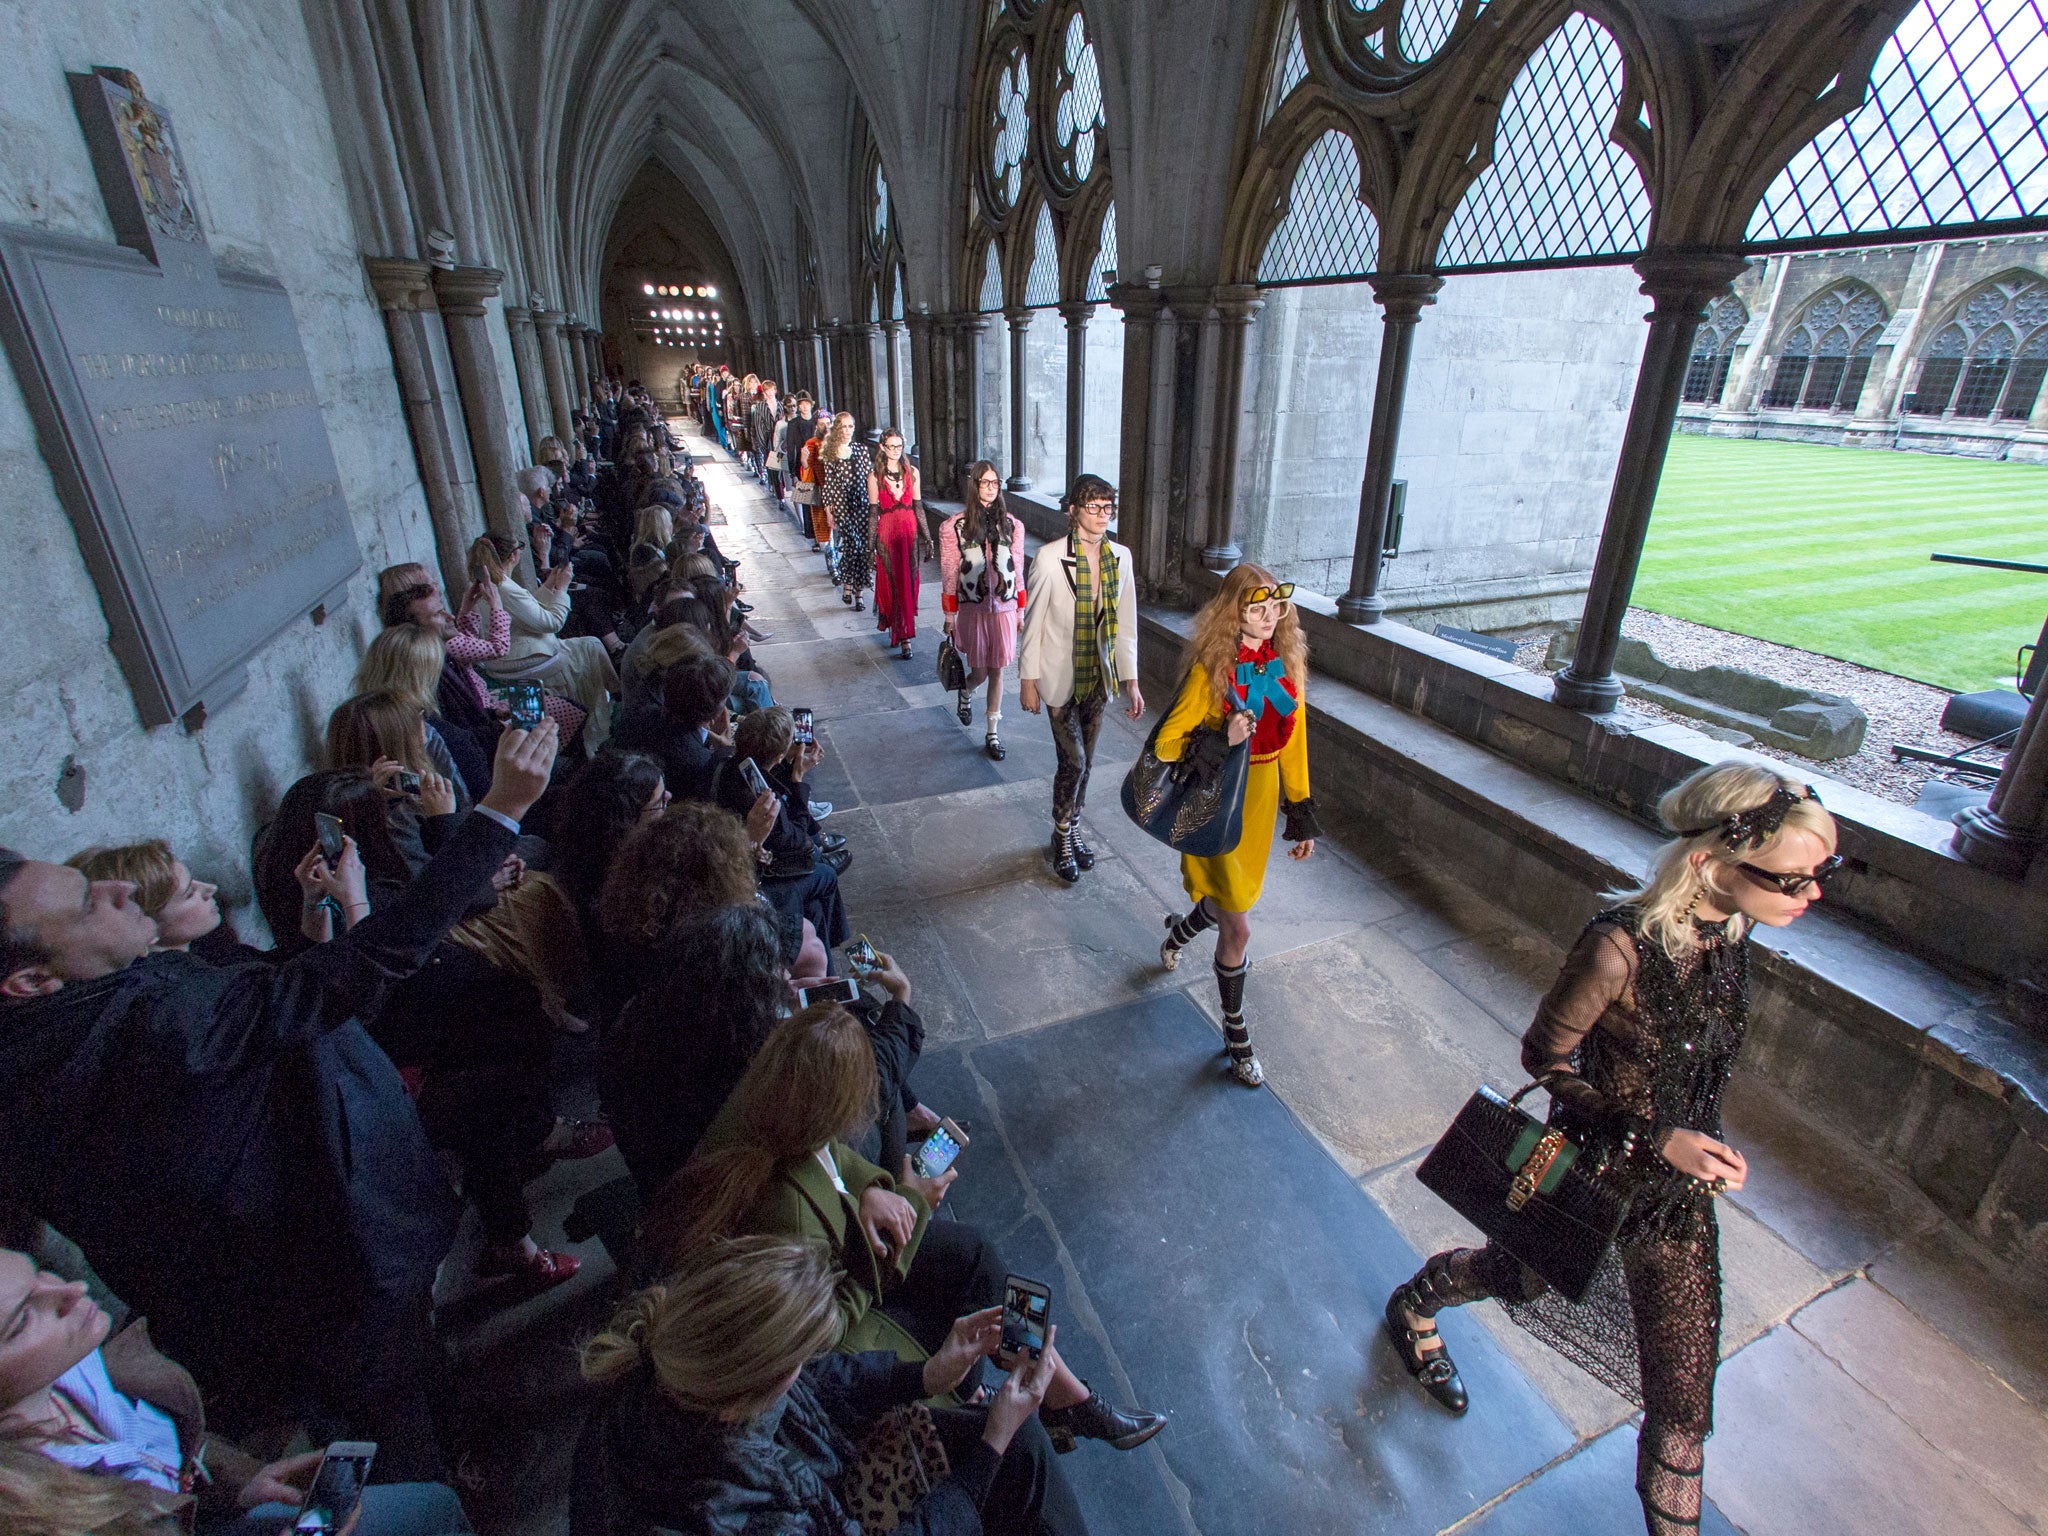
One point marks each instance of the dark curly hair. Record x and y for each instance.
(692, 859)
(600, 808)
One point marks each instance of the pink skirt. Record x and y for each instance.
(986, 634)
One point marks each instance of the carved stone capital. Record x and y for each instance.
(1018, 316)
(400, 284)
(1135, 301)
(1684, 282)
(1404, 295)
(518, 317)
(549, 319)
(463, 290)
(1077, 312)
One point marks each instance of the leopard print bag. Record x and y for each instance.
(900, 1459)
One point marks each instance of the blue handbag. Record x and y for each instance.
(1195, 805)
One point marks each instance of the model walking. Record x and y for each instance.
(1079, 646)
(1247, 679)
(901, 541)
(981, 572)
(1635, 1042)
(843, 472)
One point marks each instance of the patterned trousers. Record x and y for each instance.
(1075, 725)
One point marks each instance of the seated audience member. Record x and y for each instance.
(692, 734)
(177, 1120)
(578, 667)
(105, 1406)
(187, 910)
(794, 874)
(777, 1162)
(671, 635)
(379, 735)
(613, 795)
(407, 662)
(727, 1410)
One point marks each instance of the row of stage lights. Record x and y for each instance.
(671, 291)
(702, 315)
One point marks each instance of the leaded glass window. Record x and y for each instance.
(1078, 117)
(1827, 354)
(1713, 346)
(1558, 185)
(1105, 260)
(1327, 232)
(991, 283)
(1012, 125)
(1042, 283)
(880, 212)
(1293, 63)
(896, 295)
(1989, 360)
(1954, 130)
(1393, 37)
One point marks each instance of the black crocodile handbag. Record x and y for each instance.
(1195, 805)
(1522, 1184)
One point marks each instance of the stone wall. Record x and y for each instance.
(1517, 398)
(268, 185)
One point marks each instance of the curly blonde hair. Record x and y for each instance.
(1213, 646)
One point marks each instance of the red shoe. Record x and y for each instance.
(585, 1138)
(541, 1269)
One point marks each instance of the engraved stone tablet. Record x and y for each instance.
(178, 418)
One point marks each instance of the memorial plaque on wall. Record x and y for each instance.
(178, 418)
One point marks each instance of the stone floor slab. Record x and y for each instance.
(1938, 1278)
(993, 835)
(1591, 1492)
(905, 932)
(907, 754)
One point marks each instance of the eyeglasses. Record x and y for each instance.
(1098, 506)
(1280, 593)
(1794, 884)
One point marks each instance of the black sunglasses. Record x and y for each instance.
(1794, 884)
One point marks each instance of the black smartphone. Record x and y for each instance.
(806, 732)
(337, 1488)
(757, 781)
(940, 1150)
(406, 782)
(1027, 1306)
(525, 699)
(840, 989)
(328, 829)
(861, 956)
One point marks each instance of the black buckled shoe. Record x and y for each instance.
(1093, 1419)
(1062, 851)
(1084, 856)
(1434, 1369)
(993, 746)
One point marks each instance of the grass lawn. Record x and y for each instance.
(1826, 549)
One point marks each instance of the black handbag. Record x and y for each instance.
(952, 667)
(1196, 805)
(1522, 1183)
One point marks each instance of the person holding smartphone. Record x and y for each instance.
(1246, 682)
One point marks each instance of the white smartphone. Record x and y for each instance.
(757, 781)
(840, 989)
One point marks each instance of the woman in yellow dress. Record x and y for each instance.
(1247, 680)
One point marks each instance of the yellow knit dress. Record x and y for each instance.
(1279, 767)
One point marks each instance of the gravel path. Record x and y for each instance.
(1900, 709)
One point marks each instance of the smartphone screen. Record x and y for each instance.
(937, 1154)
(804, 728)
(328, 829)
(861, 956)
(1026, 1305)
(756, 780)
(526, 705)
(337, 1488)
(841, 989)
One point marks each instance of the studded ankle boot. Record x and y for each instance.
(1182, 931)
(1062, 850)
(1237, 1039)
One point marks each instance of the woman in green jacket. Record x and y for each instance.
(778, 1162)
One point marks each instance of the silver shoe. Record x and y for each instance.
(1169, 952)
(1246, 1070)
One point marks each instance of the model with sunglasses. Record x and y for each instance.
(1080, 648)
(1247, 680)
(1635, 1042)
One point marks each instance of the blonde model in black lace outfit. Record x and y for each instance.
(1636, 1040)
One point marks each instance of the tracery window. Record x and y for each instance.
(1953, 131)
(1381, 43)
(1713, 348)
(879, 246)
(1327, 232)
(1989, 360)
(1826, 356)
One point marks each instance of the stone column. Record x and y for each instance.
(821, 366)
(405, 293)
(549, 323)
(867, 341)
(461, 292)
(968, 334)
(533, 399)
(1140, 519)
(1235, 308)
(1020, 329)
(2007, 835)
(924, 437)
(1401, 296)
(1077, 315)
(1682, 285)
(892, 344)
(579, 356)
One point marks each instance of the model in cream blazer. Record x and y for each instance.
(1045, 653)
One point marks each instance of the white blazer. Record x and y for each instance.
(1046, 652)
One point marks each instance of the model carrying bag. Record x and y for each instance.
(1194, 806)
(1522, 1183)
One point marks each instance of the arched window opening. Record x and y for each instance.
(1558, 186)
(1327, 232)
(991, 299)
(1105, 259)
(1951, 132)
(1042, 283)
(1989, 361)
(1077, 119)
(1389, 39)
(1826, 357)
(1713, 348)
(1293, 66)
(1012, 129)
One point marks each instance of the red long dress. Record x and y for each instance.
(896, 563)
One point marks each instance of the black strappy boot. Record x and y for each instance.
(1434, 1369)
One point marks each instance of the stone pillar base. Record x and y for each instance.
(1983, 839)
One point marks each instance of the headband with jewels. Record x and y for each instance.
(1759, 825)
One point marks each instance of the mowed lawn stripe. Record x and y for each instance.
(1826, 549)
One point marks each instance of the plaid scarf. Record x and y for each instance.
(1094, 621)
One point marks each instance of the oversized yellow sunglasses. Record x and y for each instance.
(1268, 594)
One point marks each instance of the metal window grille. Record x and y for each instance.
(1699, 370)
(1954, 130)
(881, 206)
(1293, 64)
(1105, 260)
(1713, 344)
(1788, 379)
(1850, 395)
(2027, 374)
(991, 298)
(1042, 282)
(1426, 25)
(1985, 373)
(1977, 363)
(1717, 384)
(1824, 377)
(1079, 113)
(1558, 185)
(1327, 232)
(1012, 128)
(1831, 346)
(1939, 370)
